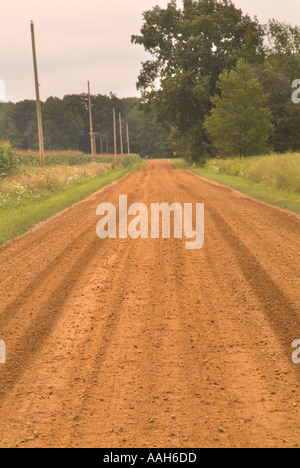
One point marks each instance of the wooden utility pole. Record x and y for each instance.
(101, 143)
(128, 143)
(115, 135)
(106, 143)
(121, 133)
(91, 124)
(38, 101)
(95, 139)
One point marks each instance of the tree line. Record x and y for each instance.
(220, 82)
(66, 125)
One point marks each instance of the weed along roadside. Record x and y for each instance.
(29, 194)
(273, 179)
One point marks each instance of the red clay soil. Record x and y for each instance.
(142, 343)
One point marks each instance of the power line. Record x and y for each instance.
(51, 69)
(13, 38)
(25, 93)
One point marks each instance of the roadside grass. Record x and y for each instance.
(71, 158)
(27, 182)
(23, 208)
(272, 179)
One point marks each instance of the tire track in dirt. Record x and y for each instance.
(267, 291)
(41, 327)
(142, 343)
(282, 315)
(70, 248)
(45, 317)
(125, 437)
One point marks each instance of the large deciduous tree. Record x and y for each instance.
(280, 69)
(190, 48)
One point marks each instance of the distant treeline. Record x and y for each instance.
(66, 125)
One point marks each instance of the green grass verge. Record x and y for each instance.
(258, 190)
(17, 219)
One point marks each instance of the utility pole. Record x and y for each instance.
(128, 143)
(91, 124)
(115, 135)
(106, 143)
(121, 133)
(101, 143)
(95, 139)
(38, 101)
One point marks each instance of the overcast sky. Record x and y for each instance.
(78, 40)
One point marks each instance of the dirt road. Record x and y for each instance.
(142, 343)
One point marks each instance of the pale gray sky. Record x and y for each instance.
(79, 40)
(2, 91)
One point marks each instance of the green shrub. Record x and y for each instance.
(8, 161)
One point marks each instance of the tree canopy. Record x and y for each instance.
(190, 48)
(181, 86)
(240, 121)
